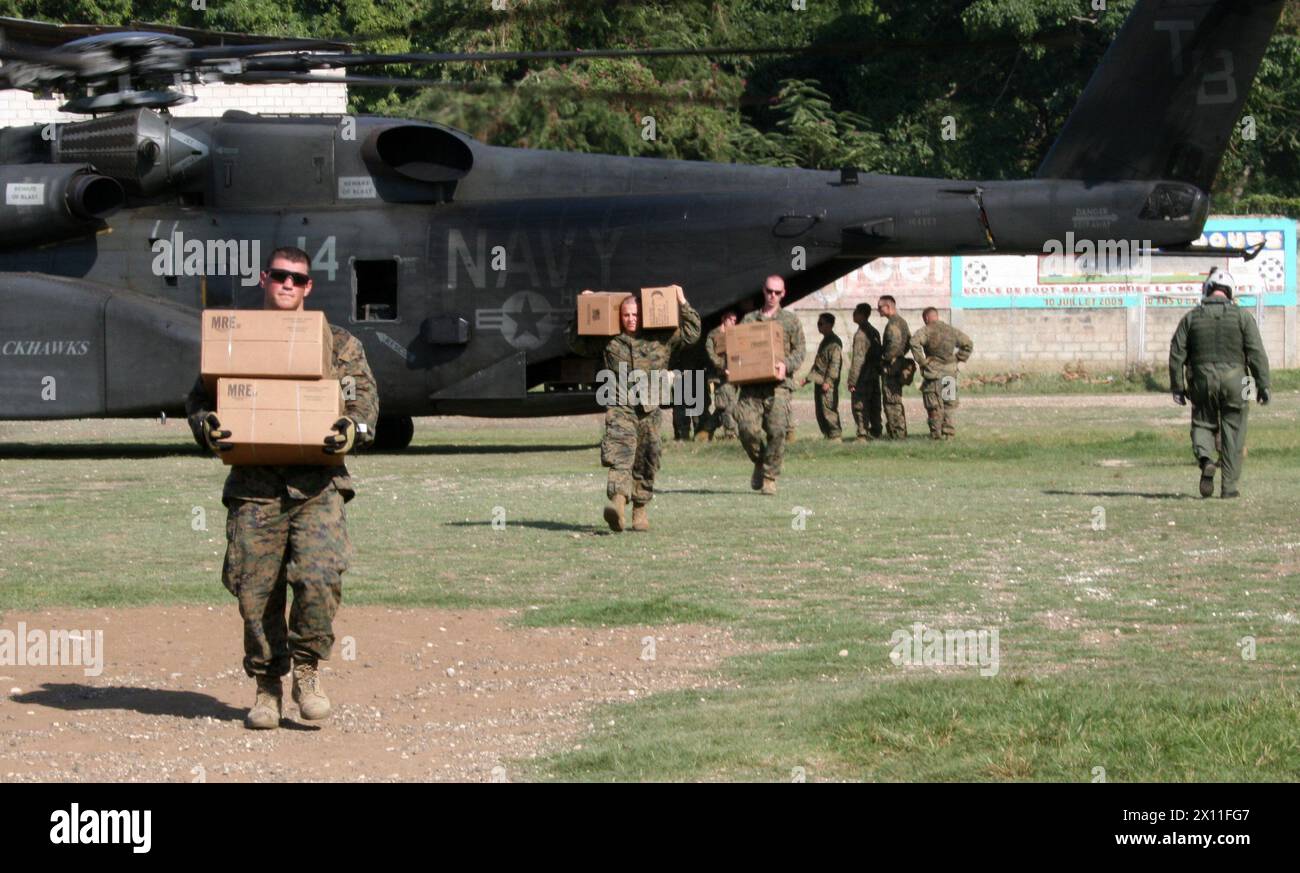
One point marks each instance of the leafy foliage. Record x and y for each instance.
(879, 84)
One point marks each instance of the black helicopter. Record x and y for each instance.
(456, 263)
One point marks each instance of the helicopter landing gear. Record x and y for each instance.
(393, 432)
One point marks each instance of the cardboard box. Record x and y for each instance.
(598, 313)
(265, 344)
(753, 350)
(659, 307)
(279, 421)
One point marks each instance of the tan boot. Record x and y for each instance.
(308, 694)
(614, 512)
(769, 486)
(789, 437)
(640, 517)
(268, 706)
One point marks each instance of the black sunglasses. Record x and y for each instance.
(299, 279)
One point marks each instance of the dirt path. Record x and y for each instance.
(431, 695)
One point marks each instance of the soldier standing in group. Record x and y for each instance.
(763, 410)
(825, 376)
(630, 447)
(685, 359)
(938, 348)
(1217, 357)
(864, 375)
(897, 367)
(287, 524)
(724, 393)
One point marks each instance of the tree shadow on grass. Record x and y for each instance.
(1145, 495)
(74, 697)
(535, 524)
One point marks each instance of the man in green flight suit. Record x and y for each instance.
(630, 447)
(825, 376)
(1217, 358)
(763, 410)
(286, 525)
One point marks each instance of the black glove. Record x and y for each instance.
(1262, 396)
(1180, 398)
(209, 434)
(347, 438)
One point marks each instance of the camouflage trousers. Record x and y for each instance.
(725, 398)
(827, 406)
(275, 545)
(895, 417)
(631, 450)
(866, 406)
(941, 413)
(763, 419)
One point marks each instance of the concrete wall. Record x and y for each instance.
(1024, 340)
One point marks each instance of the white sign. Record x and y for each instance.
(356, 188)
(24, 194)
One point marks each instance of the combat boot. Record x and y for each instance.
(703, 436)
(640, 516)
(789, 437)
(769, 486)
(756, 479)
(268, 706)
(313, 705)
(614, 512)
(1208, 469)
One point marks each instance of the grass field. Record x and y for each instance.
(1123, 603)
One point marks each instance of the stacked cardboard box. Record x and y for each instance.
(271, 374)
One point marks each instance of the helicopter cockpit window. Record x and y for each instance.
(374, 287)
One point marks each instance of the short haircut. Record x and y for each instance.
(826, 317)
(631, 298)
(927, 311)
(884, 297)
(862, 309)
(289, 253)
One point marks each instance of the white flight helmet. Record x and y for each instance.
(1219, 280)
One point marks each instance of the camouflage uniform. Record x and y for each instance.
(1215, 347)
(286, 526)
(685, 359)
(724, 393)
(864, 379)
(630, 447)
(893, 358)
(826, 370)
(938, 348)
(763, 409)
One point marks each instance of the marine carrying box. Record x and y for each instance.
(753, 350)
(598, 313)
(279, 421)
(659, 307)
(265, 344)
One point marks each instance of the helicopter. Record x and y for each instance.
(456, 263)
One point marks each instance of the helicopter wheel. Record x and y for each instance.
(393, 432)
